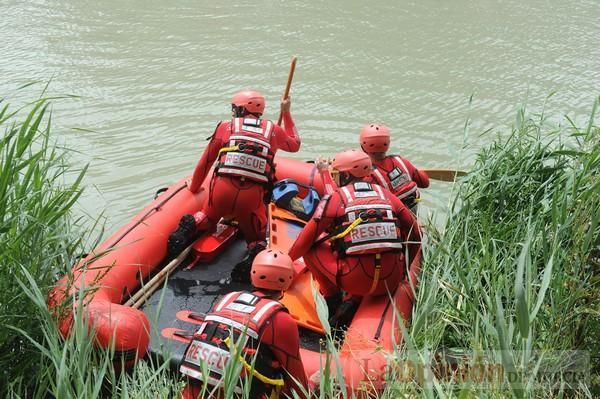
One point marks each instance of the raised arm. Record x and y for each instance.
(286, 137)
(329, 184)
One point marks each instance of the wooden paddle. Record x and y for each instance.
(286, 93)
(444, 174)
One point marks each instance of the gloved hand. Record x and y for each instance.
(182, 237)
(322, 164)
(285, 105)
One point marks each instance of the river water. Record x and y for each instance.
(152, 78)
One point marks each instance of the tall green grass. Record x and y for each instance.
(39, 241)
(36, 229)
(516, 268)
(76, 368)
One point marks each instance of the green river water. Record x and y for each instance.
(153, 78)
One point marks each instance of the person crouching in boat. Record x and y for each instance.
(393, 172)
(244, 149)
(257, 330)
(366, 228)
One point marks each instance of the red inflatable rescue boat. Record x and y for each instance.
(162, 325)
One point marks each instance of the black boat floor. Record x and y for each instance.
(197, 290)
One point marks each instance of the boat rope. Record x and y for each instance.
(229, 149)
(262, 378)
(348, 229)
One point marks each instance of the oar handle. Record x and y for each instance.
(288, 86)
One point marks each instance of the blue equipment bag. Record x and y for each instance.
(285, 194)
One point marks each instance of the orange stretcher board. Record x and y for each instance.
(284, 227)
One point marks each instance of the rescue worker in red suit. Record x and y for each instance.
(393, 172)
(277, 362)
(367, 228)
(244, 149)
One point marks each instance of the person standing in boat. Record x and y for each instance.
(393, 172)
(254, 318)
(244, 149)
(366, 229)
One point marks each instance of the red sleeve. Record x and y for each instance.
(416, 175)
(329, 185)
(281, 334)
(321, 220)
(408, 225)
(219, 137)
(286, 137)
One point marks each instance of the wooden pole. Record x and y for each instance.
(148, 289)
(288, 86)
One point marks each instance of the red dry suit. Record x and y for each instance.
(244, 149)
(254, 319)
(401, 177)
(368, 260)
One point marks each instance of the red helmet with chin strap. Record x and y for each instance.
(252, 101)
(375, 137)
(272, 270)
(355, 162)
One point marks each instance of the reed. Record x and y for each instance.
(37, 232)
(515, 270)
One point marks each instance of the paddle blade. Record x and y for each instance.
(444, 174)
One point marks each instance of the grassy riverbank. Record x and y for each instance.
(37, 233)
(39, 241)
(516, 270)
(514, 273)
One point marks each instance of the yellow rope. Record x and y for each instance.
(348, 229)
(262, 378)
(275, 393)
(229, 149)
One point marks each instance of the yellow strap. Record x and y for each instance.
(377, 273)
(348, 229)
(250, 369)
(275, 393)
(229, 149)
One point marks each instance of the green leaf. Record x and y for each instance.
(547, 277)
(521, 305)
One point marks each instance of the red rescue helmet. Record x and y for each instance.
(375, 137)
(251, 101)
(355, 162)
(272, 270)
